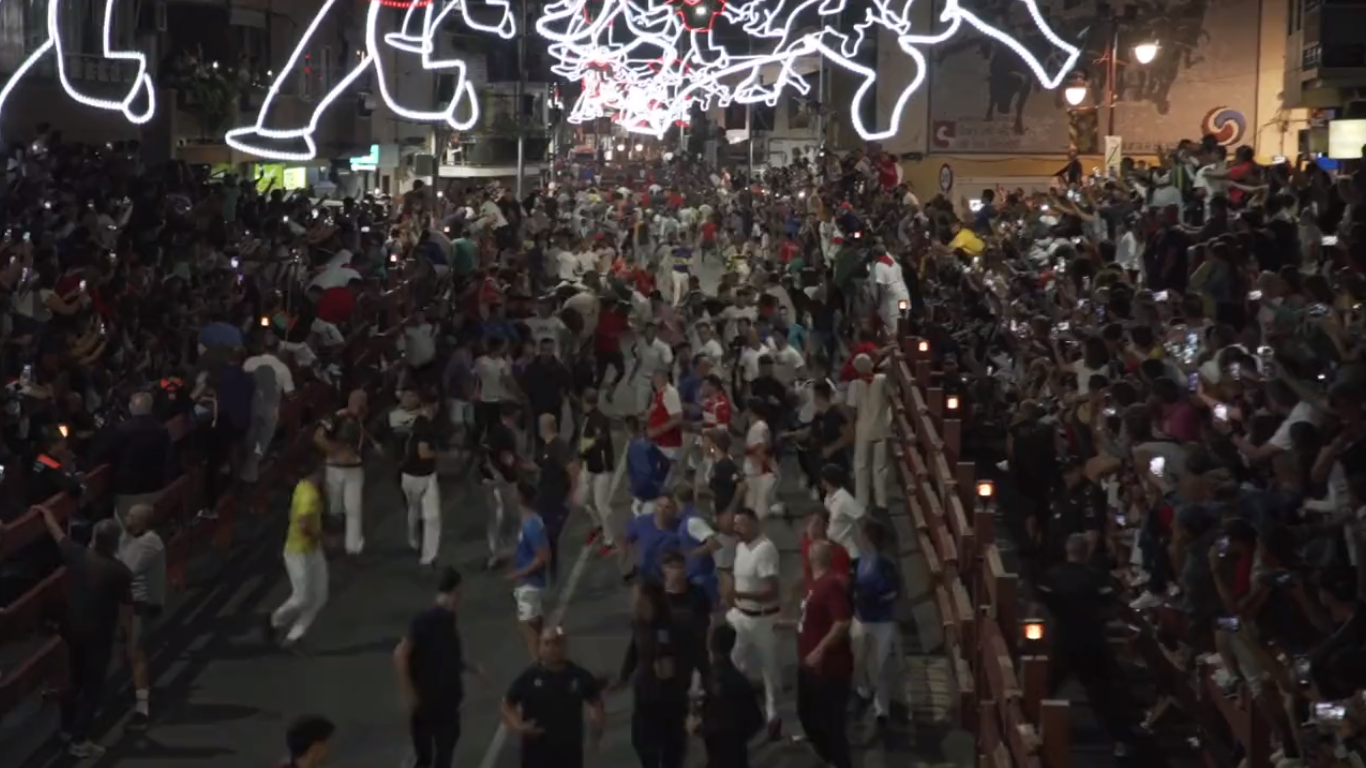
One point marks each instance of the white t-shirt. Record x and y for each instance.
(654, 356)
(749, 362)
(328, 334)
(787, 363)
(758, 435)
(890, 279)
(283, 376)
(845, 514)
(713, 350)
(491, 372)
(334, 277)
(552, 328)
(755, 562)
(1302, 411)
(419, 344)
(699, 529)
(869, 400)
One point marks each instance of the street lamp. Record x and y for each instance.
(1075, 94)
(640, 147)
(1144, 53)
(621, 147)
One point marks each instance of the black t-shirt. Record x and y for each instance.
(595, 446)
(546, 383)
(421, 431)
(827, 427)
(503, 448)
(552, 490)
(725, 477)
(554, 699)
(436, 662)
(96, 587)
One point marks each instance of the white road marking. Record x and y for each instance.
(556, 617)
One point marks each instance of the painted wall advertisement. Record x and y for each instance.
(984, 98)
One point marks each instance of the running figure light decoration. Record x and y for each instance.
(670, 62)
(136, 110)
(415, 36)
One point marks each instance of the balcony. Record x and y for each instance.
(1332, 51)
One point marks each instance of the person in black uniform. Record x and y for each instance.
(544, 707)
(1078, 506)
(655, 664)
(431, 666)
(730, 711)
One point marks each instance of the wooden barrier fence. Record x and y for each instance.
(46, 667)
(1001, 694)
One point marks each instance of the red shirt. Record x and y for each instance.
(839, 560)
(862, 348)
(716, 411)
(827, 602)
(787, 251)
(886, 173)
(607, 337)
(1239, 172)
(708, 231)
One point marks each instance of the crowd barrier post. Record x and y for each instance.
(1002, 692)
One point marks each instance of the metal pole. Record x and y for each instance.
(1111, 71)
(521, 88)
(820, 103)
(749, 125)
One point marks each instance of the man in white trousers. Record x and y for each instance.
(597, 457)
(755, 611)
(305, 563)
(867, 398)
(419, 482)
(891, 291)
(877, 586)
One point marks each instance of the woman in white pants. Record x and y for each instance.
(420, 487)
(598, 461)
(761, 469)
(341, 438)
(305, 563)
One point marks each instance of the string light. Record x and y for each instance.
(617, 82)
(142, 81)
(423, 44)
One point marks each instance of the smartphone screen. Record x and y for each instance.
(1193, 381)
(1156, 465)
(1221, 412)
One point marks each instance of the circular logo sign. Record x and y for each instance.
(945, 178)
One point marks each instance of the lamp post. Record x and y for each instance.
(1076, 93)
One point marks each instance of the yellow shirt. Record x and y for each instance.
(307, 502)
(967, 241)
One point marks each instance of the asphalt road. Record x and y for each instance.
(222, 698)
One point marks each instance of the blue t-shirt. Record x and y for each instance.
(650, 543)
(530, 539)
(646, 469)
(875, 585)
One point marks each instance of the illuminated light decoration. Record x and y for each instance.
(142, 81)
(249, 138)
(802, 28)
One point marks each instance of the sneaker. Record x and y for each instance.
(85, 749)
(593, 536)
(295, 648)
(1146, 601)
(138, 722)
(607, 550)
(208, 514)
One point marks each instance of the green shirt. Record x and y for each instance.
(466, 255)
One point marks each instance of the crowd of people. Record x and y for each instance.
(1163, 359)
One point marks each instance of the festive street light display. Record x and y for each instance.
(646, 64)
